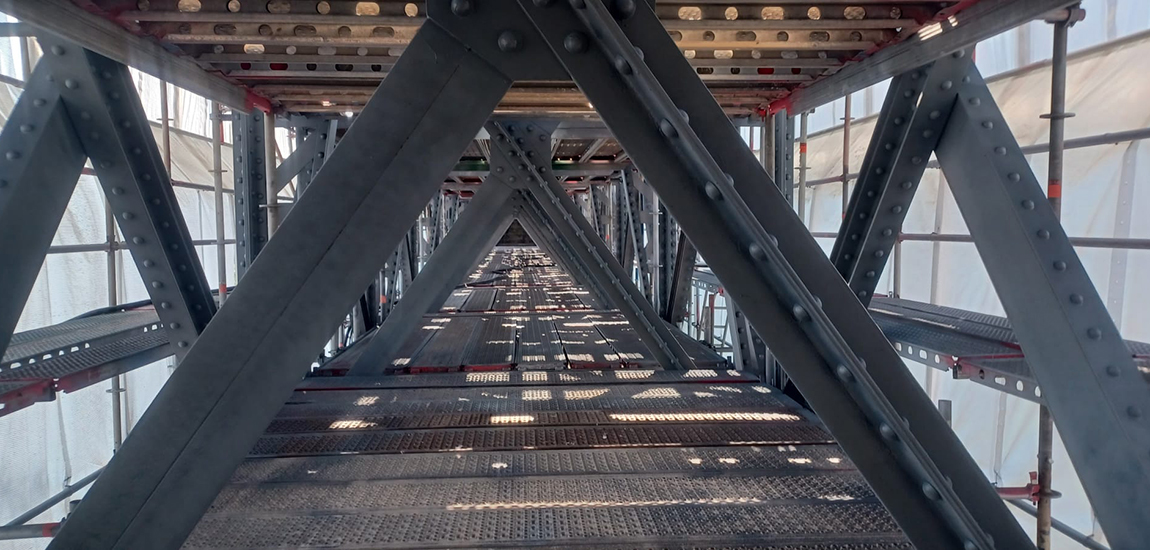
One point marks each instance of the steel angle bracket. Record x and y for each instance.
(1088, 377)
(625, 63)
(911, 122)
(522, 145)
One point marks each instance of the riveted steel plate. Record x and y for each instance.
(62, 338)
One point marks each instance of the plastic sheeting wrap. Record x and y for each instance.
(44, 447)
(1102, 187)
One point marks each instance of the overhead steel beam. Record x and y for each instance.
(43, 159)
(249, 180)
(205, 419)
(765, 257)
(513, 147)
(909, 126)
(1088, 378)
(462, 248)
(91, 31)
(975, 23)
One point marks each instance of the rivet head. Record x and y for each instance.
(157, 284)
(974, 101)
(888, 432)
(39, 102)
(668, 128)
(969, 545)
(1043, 234)
(713, 191)
(1060, 265)
(935, 114)
(898, 121)
(622, 65)
(844, 373)
(870, 274)
(27, 128)
(896, 209)
(958, 54)
(1076, 299)
(757, 252)
(58, 49)
(862, 294)
(930, 491)
(174, 326)
(927, 133)
(510, 41)
(127, 215)
(138, 240)
(800, 314)
(71, 84)
(1014, 177)
(575, 42)
(12, 155)
(125, 124)
(461, 7)
(623, 9)
(1000, 150)
(946, 85)
(1112, 371)
(879, 253)
(889, 146)
(182, 344)
(1028, 204)
(916, 160)
(908, 93)
(1093, 333)
(988, 124)
(887, 232)
(1133, 412)
(907, 184)
(880, 171)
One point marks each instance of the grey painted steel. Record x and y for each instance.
(543, 232)
(39, 172)
(111, 124)
(634, 209)
(976, 23)
(682, 275)
(307, 148)
(463, 247)
(783, 153)
(214, 407)
(105, 37)
(513, 141)
(909, 126)
(771, 265)
(249, 177)
(1087, 375)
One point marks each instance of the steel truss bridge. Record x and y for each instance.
(479, 395)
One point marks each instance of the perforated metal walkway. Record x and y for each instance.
(618, 459)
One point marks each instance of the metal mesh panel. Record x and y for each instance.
(493, 344)
(544, 378)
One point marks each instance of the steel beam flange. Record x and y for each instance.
(109, 119)
(521, 146)
(912, 121)
(537, 222)
(251, 199)
(715, 188)
(503, 37)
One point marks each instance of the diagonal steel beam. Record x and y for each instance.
(463, 247)
(387, 167)
(513, 147)
(42, 162)
(1088, 378)
(909, 126)
(305, 153)
(681, 276)
(544, 233)
(770, 264)
(633, 208)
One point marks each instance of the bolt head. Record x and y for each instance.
(668, 128)
(930, 491)
(757, 252)
(622, 65)
(844, 373)
(623, 9)
(888, 432)
(713, 191)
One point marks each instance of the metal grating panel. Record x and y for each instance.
(447, 344)
(773, 523)
(481, 299)
(33, 344)
(494, 439)
(513, 378)
(583, 344)
(61, 366)
(568, 462)
(494, 343)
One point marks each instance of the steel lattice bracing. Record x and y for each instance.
(407, 139)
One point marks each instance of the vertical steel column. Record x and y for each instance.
(633, 216)
(262, 342)
(250, 188)
(846, 151)
(801, 200)
(1057, 118)
(270, 189)
(784, 153)
(218, 181)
